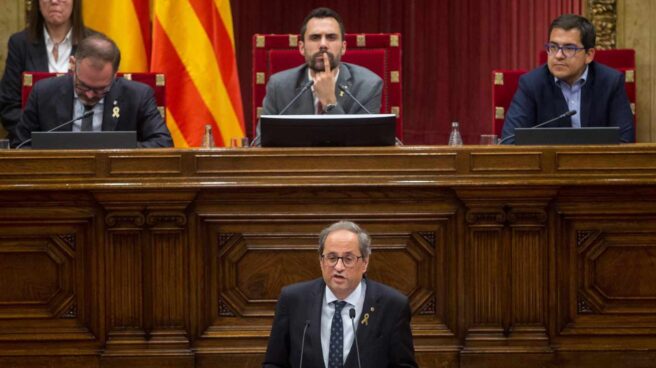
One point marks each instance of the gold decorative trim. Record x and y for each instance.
(259, 41)
(394, 40)
(162, 111)
(633, 108)
(127, 76)
(395, 76)
(361, 40)
(396, 111)
(499, 112)
(160, 80)
(498, 79)
(259, 78)
(603, 16)
(28, 80)
(629, 76)
(293, 40)
(258, 112)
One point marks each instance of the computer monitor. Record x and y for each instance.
(357, 130)
(84, 140)
(567, 136)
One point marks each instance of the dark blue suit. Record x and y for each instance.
(603, 102)
(385, 340)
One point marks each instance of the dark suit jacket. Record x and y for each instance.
(51, 103)
(364, 84)
(386, 341)
(603, 102)
(22, 56)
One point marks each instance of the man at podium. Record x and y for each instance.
(95, 98)
(342, 319)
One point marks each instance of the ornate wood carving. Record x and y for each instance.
(224, 309)
(603, 15)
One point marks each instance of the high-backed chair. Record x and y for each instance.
(156, 81)
(505, 82)
(381, 53)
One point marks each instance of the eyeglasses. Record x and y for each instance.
(568, 50)
(348, 260)
(82, 87)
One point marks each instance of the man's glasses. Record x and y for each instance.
(567, 50)
(348, 260)
(101, 91)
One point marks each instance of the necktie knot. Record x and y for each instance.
(339, 305)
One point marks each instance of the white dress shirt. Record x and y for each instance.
(64, 50)
(354, 300)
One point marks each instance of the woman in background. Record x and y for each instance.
(55, 28)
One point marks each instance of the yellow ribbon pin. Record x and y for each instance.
(365, 319)
(116, 112)
(341, 93)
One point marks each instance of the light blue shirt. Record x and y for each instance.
(78, 110)
(354, 300)
(573, 96)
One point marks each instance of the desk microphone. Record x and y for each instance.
(305, 88)
(307, 324)
(344, 88)
(355, 334)
(86, 113)
(565, 115)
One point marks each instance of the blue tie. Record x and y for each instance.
(336, 351)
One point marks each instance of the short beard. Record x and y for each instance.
(313, 64)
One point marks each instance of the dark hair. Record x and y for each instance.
(364, 239)
(35, 28)
(322, 13)
(100, 47)
(572, 21)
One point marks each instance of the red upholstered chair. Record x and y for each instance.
(503, 90)
(381, 53)
(156, 81)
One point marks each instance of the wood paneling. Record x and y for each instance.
(544, 262)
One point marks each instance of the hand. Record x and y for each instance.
(324, 83)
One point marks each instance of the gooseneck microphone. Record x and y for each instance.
(307, 324)
(305, 88)
(355, 335)
(86, 113)
(564, 115)
(344, 88)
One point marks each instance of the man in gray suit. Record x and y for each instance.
(322, 45)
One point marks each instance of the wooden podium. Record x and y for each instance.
(511, 256)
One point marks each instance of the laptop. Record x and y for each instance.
(566, 136)
(357, 130)
(84, 140)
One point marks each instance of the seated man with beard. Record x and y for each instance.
(322, 45)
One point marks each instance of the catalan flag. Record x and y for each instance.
(193, 44)
(127, 22)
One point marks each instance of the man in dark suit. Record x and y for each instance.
(322, 45)
(117, 104)
(571, 80)
(318, 317)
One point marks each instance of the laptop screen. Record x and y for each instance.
(328, 130)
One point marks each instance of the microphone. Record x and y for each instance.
(305, 88)
(86, 113)
(344, 88)
(355, 334)
(307, 324)
(564, 115)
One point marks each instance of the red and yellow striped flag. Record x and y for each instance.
(127, 22)
(193, 44)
